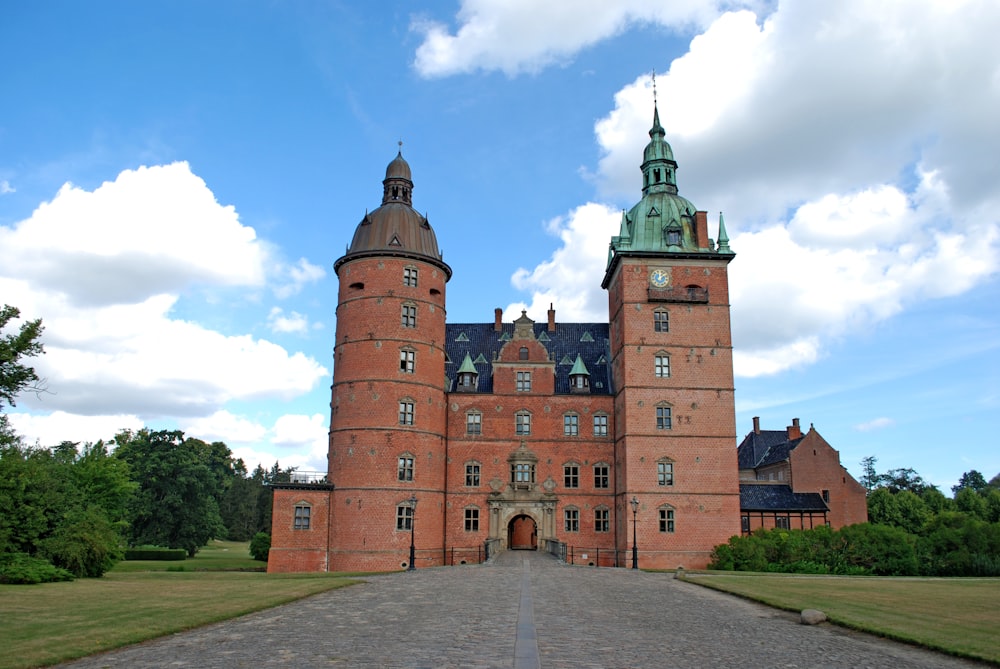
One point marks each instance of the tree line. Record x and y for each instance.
(69, 510)
(913, 529)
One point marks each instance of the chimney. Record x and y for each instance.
(794, 431)
(552, 318)
(497, 319)
(756, 424)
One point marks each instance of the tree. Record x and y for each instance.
(869, 478)
(903, 479)
(175, 503)
(971, 479)
(15, 376)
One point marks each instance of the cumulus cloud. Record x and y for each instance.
(292, 278)
(5, 187)
(58, 426)
(830, 134)
(516, 37)
(108, 270)
(293, 322)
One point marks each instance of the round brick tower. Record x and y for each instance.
(388, 418)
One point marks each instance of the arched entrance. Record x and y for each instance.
(522, 533)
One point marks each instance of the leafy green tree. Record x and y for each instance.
(175, 504)
(878, 549)
(936, 501)
(913, 512)
(970, 502)
(15, 376)
(869, 477)
(883, 509)
(238, 507)
(971, 479)
(903, 479)
(86, 543)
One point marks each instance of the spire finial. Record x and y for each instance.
(400, 146)
(654, 87)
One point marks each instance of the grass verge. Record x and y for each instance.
(54, 622)
(216, 556)
(959, 616)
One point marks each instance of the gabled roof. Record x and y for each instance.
(482, 343)
(767, 447)
(773, 497)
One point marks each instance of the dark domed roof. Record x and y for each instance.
(395, 228)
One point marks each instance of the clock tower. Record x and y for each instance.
(672, 368)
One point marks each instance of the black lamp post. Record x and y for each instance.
(635, 551)
(413, 525)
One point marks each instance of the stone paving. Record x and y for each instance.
(524, 610)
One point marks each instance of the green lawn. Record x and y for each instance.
(216, 556)
(54, 622)
(960, 616)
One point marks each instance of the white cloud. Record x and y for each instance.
(58, 426)
(830, 134)
(5, 187)
(224, 426)
(516, 37)
(108, 270)
(875, 424)
(293, 322)
(292, 278)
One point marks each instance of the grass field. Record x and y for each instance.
(960, 616)
(55, 622)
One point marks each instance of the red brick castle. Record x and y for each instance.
(462, 438)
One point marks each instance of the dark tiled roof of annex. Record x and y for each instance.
(482, 342)
(772, 497)
(764, 447)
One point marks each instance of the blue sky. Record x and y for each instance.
(177, 179)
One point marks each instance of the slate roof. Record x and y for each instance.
(767, 447)
(776, 497)
(588, 340)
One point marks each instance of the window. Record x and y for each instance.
(572, 518)
(406, 412)
(523, 382)
(745, 524)
(571, 476)
(601, 521)
(404, 517)
(302, 516)
(662, 366)
(663, 419)
(601, 477)
(522, 423)
(661, 321)
(600, 425)
(410, 276)
(405, 468)
(473, 423)
(472, 520)
(522, 353)
(782, 523)
(406, 359)
(826, 496)
(409, 316)
(472, 474)
(667, 520)
(665, 472)
(522, 472)
(673, 237)
(571, 425)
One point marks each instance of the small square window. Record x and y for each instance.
(783, 523)
(523, 382)
(410, 276)
(572, 520)
(302, 517)
(522, 472)
(472, 520)
(409, 317)
(661, 321)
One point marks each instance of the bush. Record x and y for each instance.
(22, 569)
(260, 546)
(155, 553)
(86, 544)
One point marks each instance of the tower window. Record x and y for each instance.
(410, 276)
(404, 468)
(303, 513)
(406, 413)
(661, 321)
(406, 359)
(522, 353)
(673, 237)
(409, 318)
(664, 420)
(667, 520)
(665, 472)
(661, 366)
(523, 382)
(656, 176)
(404, 517)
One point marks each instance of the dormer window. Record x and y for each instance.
(522, 353)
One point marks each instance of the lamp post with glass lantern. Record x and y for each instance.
(635, 551)
(413, 526)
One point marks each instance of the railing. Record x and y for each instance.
(491, 547)
(298, 476)
(553, 547)
(592, 557)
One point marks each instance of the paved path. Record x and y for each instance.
(524, 611)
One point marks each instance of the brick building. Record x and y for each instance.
(462, 436)
(793, 480)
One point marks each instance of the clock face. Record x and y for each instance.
(659, 278)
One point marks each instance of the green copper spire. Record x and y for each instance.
(723, 236)
(467, 366)
(579, 367)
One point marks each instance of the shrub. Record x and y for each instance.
(22, 569)
(260, 546)
(85, 544)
